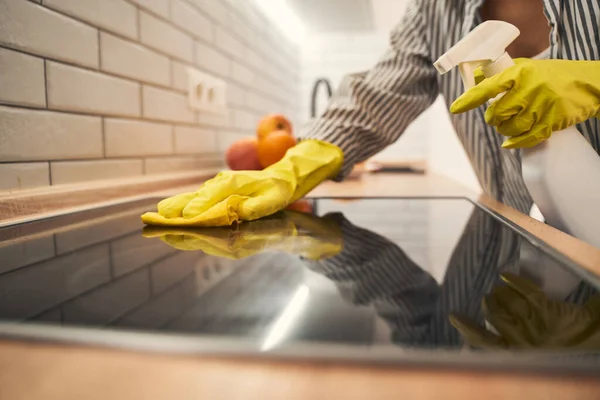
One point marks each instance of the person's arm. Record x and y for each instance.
(371, 110)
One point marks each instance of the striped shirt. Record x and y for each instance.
(371, 110)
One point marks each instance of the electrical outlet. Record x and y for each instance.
(206, 92)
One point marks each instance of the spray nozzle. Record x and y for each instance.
(483, 46)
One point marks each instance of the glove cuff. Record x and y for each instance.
(311, 162)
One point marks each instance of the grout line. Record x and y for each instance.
(141, 94)
(103, 130)
(132, 158)
(49, 173)
(138, 80)
(153, 84)
(99, 54)
(131, 118)
(46, 84)
(138, 20)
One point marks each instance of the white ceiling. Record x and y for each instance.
(324, 16)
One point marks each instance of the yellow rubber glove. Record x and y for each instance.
(542, 96)
(523, 317)
(233, 196)
(288, 231)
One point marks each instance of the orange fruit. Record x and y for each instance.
(273, 123)
(273, 147)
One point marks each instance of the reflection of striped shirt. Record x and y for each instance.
(373, 271)
(371, 110)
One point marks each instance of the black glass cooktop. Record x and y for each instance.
(377, 279)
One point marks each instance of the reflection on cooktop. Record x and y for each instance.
(396, 272)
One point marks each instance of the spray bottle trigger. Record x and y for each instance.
(467, 72)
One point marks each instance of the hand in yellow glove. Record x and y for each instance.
(542, 96)
(523, 317)
(289, 231)
(234, 196)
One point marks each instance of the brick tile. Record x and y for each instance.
(256, 102)
(255, 60)
(242, 74)
(20, 253)
(218, 120)
(64, 172)
(173, 269)
(158, 7)
(35, 29)
(74, 89)
(162, 36)
(162, 308)
(242, 29)
(42, 135)
(190, 140)
(127, 138)
(165, 105)
(30, 291)
(113, 15)
(192, 21)
(216, 10)
(135, 251)
(24, 175)
(229, 44)
(180, 76)
(132, 60)
(96, 231)
(108, 302)
(236, 95)
(211, 60)
(182, 163)
(244, 120)
(22, 79)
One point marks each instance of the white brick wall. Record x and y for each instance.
(242, 74)
(21, 79)
(75, 89)
(24, 175)
(114, 15)
(229, 44)
(131, 60)
(158, 7)
(85, 171)
(164, 37)
(190, 140)
(129, 138)
(212, 60)
(34, 29)
(165, 105)
(98, 89)
(29, 135)
(189, 19)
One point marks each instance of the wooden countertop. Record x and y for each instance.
(44, 371)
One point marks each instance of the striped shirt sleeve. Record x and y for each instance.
(370, 111)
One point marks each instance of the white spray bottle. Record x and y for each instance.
(562, 173)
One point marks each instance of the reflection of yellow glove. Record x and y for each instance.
(542, 96)
(289, 232)
(523, 317)
(248, 195)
